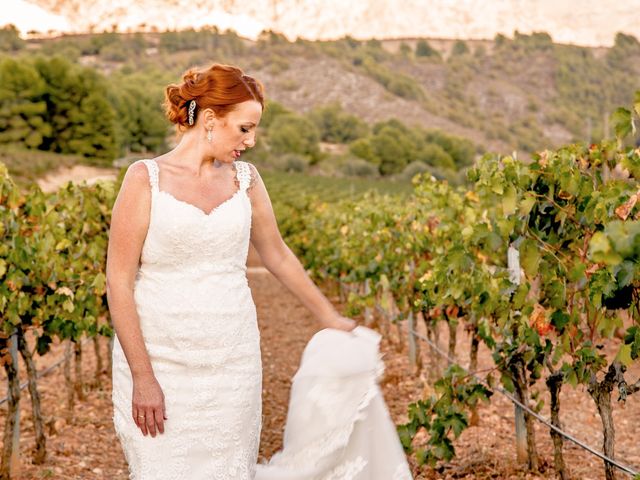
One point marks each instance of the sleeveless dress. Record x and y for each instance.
(199, 324)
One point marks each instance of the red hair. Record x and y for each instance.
(219, 87)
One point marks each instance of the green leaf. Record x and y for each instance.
(68, 305)
(600, 249)
(527, 203)
(508, 383)
(509, 200)
(624, 355)
(62, 244)
(530, 257)
(559, 320)
(622, 121)
(625, 273)
(577, 272)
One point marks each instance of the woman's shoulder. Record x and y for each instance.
(138, 174)
(254, 175)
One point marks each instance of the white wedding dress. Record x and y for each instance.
(199, 325)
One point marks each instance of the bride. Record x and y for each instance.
(187, 372)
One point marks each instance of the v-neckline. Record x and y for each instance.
(215, 209)
(195, 207)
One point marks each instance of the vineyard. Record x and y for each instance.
(536, 264)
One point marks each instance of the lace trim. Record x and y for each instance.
(243, 174)
(254, 176)
(152, 167)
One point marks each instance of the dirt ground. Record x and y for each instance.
(87, 448)
(77, 173)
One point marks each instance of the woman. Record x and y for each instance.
(186, 358)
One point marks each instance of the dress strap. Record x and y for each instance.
(152, 167)
(243, 174)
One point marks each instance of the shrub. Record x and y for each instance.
(362, 148)
(434, 154)
(290, 133)
(10, 40)
(459, 48)
(291, 162)
(423, 49)
(272, 110)
(414, 168)
(358, 167)
(337, 126)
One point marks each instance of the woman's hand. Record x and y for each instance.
(148, 407)
(340, 323)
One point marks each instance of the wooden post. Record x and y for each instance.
(413, 358)
(343, 290)
(14, 464)
(368, 313)
(521, 435)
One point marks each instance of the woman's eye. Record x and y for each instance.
(244, 130)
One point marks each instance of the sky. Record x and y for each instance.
(584, 22)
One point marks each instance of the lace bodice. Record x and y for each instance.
(191, 238)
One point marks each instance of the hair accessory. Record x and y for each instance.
(192, 109)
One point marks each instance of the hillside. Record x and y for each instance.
(520, 94)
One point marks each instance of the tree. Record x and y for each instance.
(434, 154)
(423, 49)
(461, 150)
(459, 48)
(271, 110)
(10, 40)
(140, 123)
(393, 149)
(405, 50)
(22, 108)
(291, 133)
(337, 126)
(80, 116)
(362, 148)
(93, 133)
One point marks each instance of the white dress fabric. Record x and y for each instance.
(199, 324)
(338, 426)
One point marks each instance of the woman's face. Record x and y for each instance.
(236, 132)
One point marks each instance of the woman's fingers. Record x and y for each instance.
(148, 406)
(151, 422)
(159, 419)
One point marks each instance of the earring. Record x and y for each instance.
(209, 135)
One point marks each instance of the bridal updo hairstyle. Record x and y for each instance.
(219, 87)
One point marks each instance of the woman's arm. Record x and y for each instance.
(283, 264)
(128, 229)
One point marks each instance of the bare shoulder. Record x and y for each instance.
(135, 186)
(137, 176)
